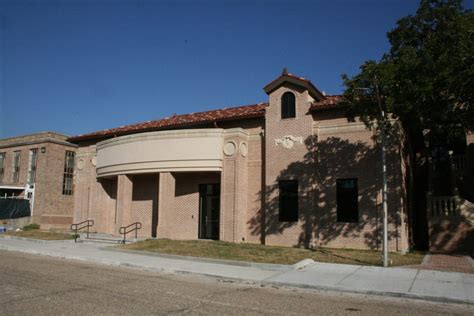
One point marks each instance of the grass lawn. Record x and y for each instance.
(269, 254)
(41, 234)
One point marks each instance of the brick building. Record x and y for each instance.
(39, 167)
(292, 171)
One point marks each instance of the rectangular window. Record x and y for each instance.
(347, 201)
(68, 173)
(288, 200)
(32, 166)
(2, 166)
(16, 166)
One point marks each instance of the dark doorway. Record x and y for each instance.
(209, 209)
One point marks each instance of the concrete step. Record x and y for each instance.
(99, 238)
(100, 241)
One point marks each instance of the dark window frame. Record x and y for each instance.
(16, 165)
(68, 176)
(347, 200)
(288, 105)
(32, 162)
(2, 165)
(288, 201)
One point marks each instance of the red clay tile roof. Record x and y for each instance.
(285, 76)
(226, 114)
(331, 102)
(290, 76)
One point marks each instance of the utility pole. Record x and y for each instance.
(384, 176)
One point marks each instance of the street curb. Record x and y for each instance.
(368, 292)
(264, 266)
(263, 282)
(41, 241)
(82, 259)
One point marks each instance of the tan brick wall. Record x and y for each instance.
(234, 184)
(349, 151)
(94, 199)
(51, 208)
(252, 126)
(124, 200)
(332, 148)
(101, 201)
(34, 139)
(145, 203)
(114, 202)
(83, 179)
(289, 164)
(178, 204)
(55, 208)
(348, 155)
(255, 187)
(8, 164)
(166, 193)
(252, 212)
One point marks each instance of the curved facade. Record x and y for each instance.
(164, 151)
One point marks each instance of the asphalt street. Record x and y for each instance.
(31, 284)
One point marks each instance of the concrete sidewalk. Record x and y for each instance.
(399, 282)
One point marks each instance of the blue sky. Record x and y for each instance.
(80, 66)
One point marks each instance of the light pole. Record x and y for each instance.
(384, 177)
(384, 174)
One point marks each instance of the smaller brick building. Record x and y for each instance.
(291, 171)
(40, 168)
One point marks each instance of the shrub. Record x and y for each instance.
(31, 226)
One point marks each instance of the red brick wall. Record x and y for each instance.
(451, 235)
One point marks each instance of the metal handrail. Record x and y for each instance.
(123, 230)
(75, 227)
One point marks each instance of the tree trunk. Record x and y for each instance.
(417, 185)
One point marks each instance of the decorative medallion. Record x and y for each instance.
(288, 141)
(80, 164)
(94, 161)
(243, 149)
(230, 148)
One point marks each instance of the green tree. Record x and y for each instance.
(425, 81)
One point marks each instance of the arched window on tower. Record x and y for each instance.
(288, 105)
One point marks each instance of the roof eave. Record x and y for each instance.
(275, 84)
(327, 108)
(81, 138)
